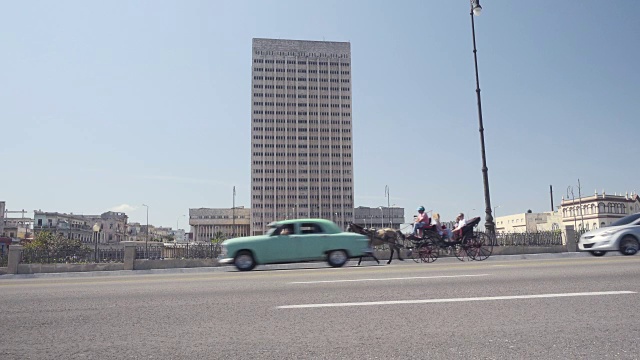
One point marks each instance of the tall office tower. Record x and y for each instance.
(301, 142)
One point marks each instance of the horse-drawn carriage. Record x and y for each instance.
(466, 245)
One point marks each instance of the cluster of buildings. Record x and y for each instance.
(301, 164)
(107, 228)
(222, 223)
(206, 224)
(583, 214)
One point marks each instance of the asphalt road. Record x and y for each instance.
(583, 308)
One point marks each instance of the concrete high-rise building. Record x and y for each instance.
(301, 138)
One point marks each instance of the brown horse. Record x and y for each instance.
(386, 236)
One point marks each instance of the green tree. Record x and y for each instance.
(49, 241)
(55, 246)
(217, 238)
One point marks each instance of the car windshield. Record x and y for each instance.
(271, 230)
(626, 220)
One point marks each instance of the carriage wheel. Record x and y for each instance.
(462, 251)
(481, 246)
(428, 252)
(413, 251)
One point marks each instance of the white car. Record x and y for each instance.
(622, 235)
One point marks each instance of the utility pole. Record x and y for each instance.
(146, 240)
(573, 203)
(233, 212)
(580, 200)
(386, 192)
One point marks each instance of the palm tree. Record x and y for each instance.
(217, 238)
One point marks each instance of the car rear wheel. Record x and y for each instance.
(597, 253)
(244, 261)
(629, 245)
(337, 258)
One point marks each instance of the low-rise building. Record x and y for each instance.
(179, 236)
(210, 223)
(163, 232)
(598, 210)
(529, 222)
(17, 227)
(134, 232)
(67, 225)
(113, 226)
(379, 217)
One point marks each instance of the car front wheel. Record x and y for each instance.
(597, 253)
(244, 261)
(337, 258)
(629, 245)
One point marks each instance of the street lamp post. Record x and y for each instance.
(96, 234)
(580, 201)
(177, 224)
(476, 9)
(573, 203)
(146, 240)
(381, 213)
(392, 215)
(233, 213)
(386, 192)
(494, 209)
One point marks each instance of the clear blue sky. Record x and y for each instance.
(113, 104)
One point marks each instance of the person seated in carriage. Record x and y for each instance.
(460, 223)
(439, 227)
(421, 221)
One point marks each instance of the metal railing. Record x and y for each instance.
(150, 252)
(192, 251)
(178, 251)
(538, 238)
(113, 255)
(76, 256)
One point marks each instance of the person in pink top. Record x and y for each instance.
(421, 221)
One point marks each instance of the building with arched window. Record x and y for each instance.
(598, 210)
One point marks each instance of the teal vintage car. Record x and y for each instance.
(297, 240)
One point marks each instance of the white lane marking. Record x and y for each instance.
(385, 279)
(428, 301)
